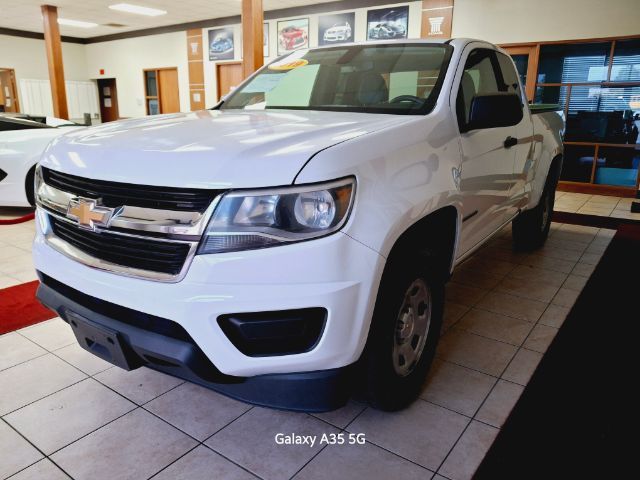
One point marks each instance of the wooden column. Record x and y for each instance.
(437, 18)
(54, 59)
(252, 52)
(196, 69)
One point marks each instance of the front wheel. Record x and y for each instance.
(404, 334)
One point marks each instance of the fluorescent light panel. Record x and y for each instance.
(137, 9)
(76, 23)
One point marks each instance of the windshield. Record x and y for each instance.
(385, 78)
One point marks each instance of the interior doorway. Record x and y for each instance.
(526, 59)
(8, 92)
(228, 75)
(162, 94)
(108, 95)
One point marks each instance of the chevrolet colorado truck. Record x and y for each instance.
(292, 244)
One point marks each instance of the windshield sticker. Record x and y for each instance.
(289, 65)
(264, 83)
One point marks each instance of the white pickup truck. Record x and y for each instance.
(293, 243)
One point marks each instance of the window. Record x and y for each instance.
(509, 75)
(483, 75)
(598, 86)
(393, 78)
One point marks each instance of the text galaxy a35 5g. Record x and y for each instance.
(292, 244)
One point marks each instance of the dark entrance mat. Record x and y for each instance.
(576, 417)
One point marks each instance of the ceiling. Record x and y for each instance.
(25, 14)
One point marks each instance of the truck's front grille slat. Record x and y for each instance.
(116, 194)
(138, 253)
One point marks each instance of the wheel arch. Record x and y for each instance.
(434, 237)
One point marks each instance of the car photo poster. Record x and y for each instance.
(387, 23)
(336, 28)
(221, 44)
(265, 39)
(293, 35)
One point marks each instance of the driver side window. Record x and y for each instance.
(480, 77)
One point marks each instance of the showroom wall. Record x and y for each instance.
(360, 35)
(28, 58)
(126, 59)
(513, 21)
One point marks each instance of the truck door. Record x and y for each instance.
(524, 151)
(486, 173)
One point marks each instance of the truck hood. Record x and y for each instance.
(210, 148)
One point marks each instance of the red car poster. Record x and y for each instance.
(293, 35)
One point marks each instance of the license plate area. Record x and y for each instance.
(103, 342)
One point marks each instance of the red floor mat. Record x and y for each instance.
(19, 307)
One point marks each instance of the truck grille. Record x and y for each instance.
(140, 253)
(114, 194)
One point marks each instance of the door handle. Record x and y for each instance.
(510, 142)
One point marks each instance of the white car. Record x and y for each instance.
(22, 141)
(294, 242)
(340, 32)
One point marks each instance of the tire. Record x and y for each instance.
(29, 186)
(392, 384)
(531, 228)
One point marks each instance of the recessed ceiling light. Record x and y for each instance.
(76, 23)
(127, 7)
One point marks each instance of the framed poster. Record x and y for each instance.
(221, 44)
(265, 39)
(293, 35)
(336, 28)
(386, 23)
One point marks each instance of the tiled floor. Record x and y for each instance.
(600, 205)
(66, 413)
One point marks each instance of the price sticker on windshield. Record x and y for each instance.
(289, 65)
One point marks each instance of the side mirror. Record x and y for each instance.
(494, 110)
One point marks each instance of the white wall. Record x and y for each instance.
(513, 21)
(28, 57)
(360, 35)
(126, 59)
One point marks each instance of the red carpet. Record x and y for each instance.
(19, 307)
(13, 221)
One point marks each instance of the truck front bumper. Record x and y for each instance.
(335, 273)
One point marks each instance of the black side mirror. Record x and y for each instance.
(494, 110)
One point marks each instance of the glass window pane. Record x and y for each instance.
(626, 61)
(617, 166)
(608, 115)
(154, 107)
(152, 87)
(577, 163)
(551, 96)
(522, 63)
(509, 74)
(574, 63)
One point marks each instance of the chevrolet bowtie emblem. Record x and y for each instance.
(88, 214)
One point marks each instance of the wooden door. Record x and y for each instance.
(228, 74)
(8, 91)
(168, 90)
(526, 60)
(108, 95)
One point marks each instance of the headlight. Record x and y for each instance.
(254, 219)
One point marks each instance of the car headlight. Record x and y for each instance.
(245, 220)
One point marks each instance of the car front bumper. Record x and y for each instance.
(336, 273)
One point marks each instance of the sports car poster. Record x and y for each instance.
(221, 44)
(387, 23)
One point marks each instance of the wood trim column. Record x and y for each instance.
(54, 59)
(252, 25)
(196, 69)
(437, 18)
